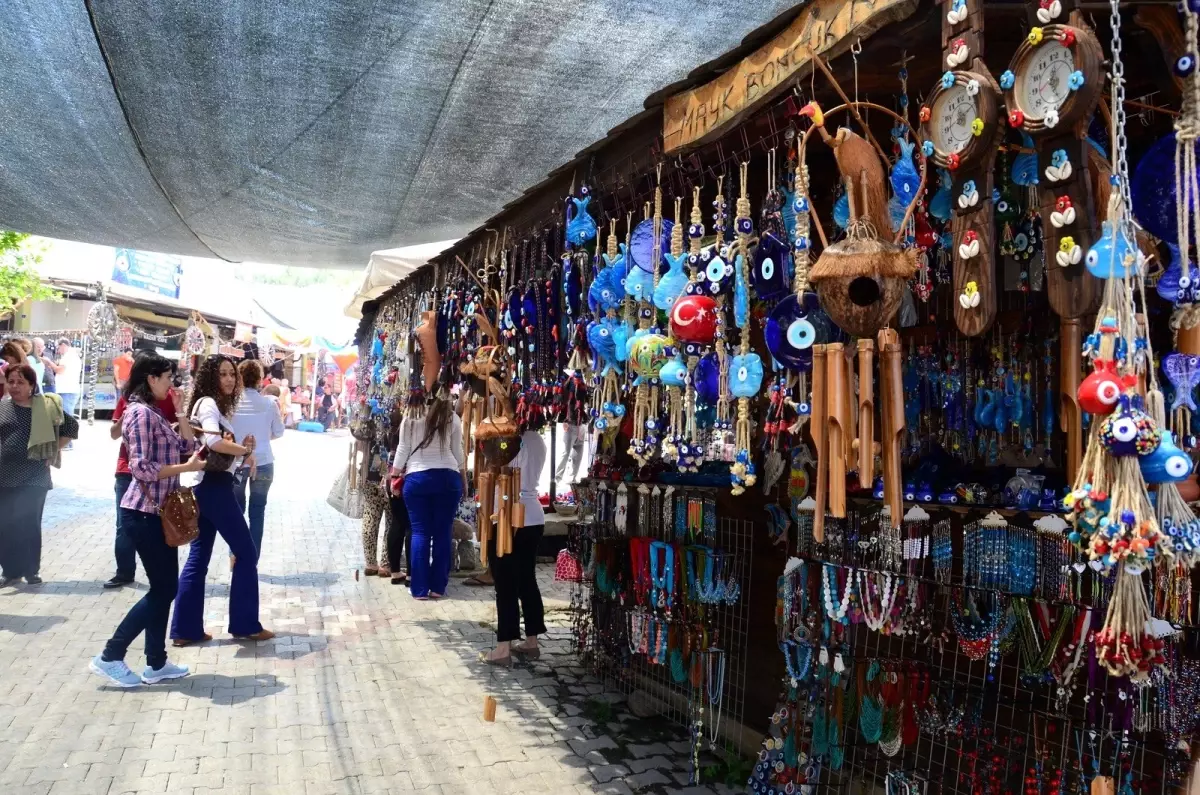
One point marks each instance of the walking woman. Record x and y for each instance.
(515, 576)
(214, 397)
(156, 456)
(256, 416)
(33, 428)
(430, 455)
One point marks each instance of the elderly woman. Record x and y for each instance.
(33, 428)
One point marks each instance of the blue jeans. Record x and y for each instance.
(69, 399)
(126, 549)
(150, 614)
(258, 499)
(431, 498)
(218, 514)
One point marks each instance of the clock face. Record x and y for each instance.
(1045, 80)
(953, 113)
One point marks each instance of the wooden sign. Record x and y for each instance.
(826, 27)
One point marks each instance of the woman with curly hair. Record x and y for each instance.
(214, 398)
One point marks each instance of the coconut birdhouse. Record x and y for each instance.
(861, 281)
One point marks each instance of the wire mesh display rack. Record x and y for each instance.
(704, 687)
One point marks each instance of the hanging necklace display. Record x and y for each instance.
(1051, 88)
(102, 326)
(1110, 506)
(960, 131)
(648, 350)
(746, 368)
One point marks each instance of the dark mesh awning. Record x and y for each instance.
(314, 132)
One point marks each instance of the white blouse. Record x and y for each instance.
(442, 452)
(206, 414)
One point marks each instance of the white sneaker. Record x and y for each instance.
(170, 670)
(116, 672)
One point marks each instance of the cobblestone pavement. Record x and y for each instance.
(363, 691)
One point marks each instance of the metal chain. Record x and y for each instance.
(1120, 165)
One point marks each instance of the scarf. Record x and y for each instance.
(45, 423)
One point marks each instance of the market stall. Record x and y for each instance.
(884, 330)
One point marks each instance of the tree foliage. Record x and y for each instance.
(19, 279)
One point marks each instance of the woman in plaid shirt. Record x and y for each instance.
(157, 457)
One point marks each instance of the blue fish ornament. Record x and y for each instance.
(580, 226)
(674, 372)
(603, 346)
(639, 284)
(672, 284)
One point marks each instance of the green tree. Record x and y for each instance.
(19, 279)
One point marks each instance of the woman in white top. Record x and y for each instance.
(514, 573)
(429, 453)
(214, 398)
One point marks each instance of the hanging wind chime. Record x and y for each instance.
(102, 328)
(648, 349)
(1110, 507)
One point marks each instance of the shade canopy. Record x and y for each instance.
(310, 132)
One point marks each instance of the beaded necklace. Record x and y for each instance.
(715, 687)
(887, 594)
(839, 613)
(664, 585)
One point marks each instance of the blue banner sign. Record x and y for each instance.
(157, 273)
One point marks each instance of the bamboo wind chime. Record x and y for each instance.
(672, 374)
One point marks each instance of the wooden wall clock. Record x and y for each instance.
(961, 126)
(1051, 89)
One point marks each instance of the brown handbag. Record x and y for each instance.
(180, 515)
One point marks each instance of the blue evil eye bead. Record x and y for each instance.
(695, 230)
(996, 196)
(968, 187)
(744, 226)
(801, 334)
(601, 424)
(1007, 80)
(619, 410)
(802, 243)
(800, 204)
(804, 409)
(1075, 81)
(585, 191)
(927, 148)
(948, 80)
(715, 270)
(1058, 158)
(1185, 65)
(693, 259)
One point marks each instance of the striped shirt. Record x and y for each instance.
(152, 445)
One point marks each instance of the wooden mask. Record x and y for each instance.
(431, 359)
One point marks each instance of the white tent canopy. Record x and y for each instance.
(389, 266)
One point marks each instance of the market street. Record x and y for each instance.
(364, 690)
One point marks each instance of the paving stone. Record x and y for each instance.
(362, 691)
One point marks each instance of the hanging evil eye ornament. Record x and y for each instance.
(712, 273)
(1129, 431)
(707, 379)
(791, 330)
(745, 375)
(1167, 464)
(1099, 393)
(1114, 255)
(769, 274)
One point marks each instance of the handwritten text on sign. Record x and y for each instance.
(824, 26)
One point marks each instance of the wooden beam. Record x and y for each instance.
(824, 27)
